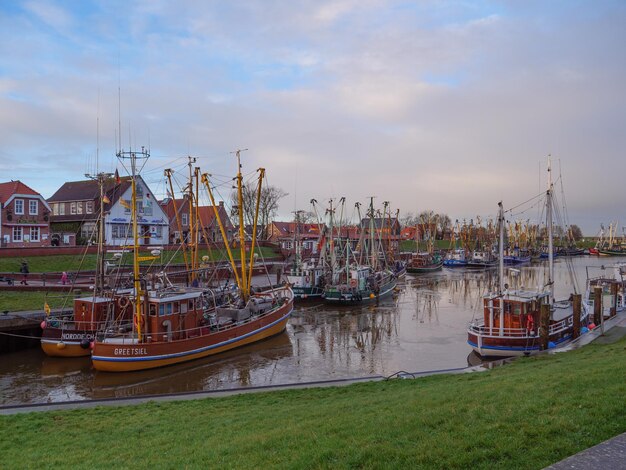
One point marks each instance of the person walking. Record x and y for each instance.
(64, 278)
(24, 271)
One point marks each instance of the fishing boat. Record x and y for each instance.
(424, 262)
(175, 324)
(613, 291)
(356, 282)
(456, 259)
(482, 260)
(306, 279)
(510, 324)
(70, 335)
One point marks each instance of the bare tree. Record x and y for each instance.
(268, 205)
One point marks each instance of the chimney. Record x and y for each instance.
(221, 203)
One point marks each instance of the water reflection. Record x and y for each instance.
(422, 327)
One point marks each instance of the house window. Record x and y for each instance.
(62, 208)
(33, 207)
(55, 209)
(19, 206)
(185, 219)
(119, 230)
(34, 234)
(17, 234)
(72, 208)
(147, 207)
(139, 190)
(79, 207)
(126, 205)
(89, 207)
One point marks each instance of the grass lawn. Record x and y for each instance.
(526, 415)
(20, 301)
(87, 262)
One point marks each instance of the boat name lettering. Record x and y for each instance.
(130, 351)
(70, 336)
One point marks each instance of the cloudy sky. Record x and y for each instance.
(443, 105)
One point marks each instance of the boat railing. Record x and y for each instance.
(480, 329)
(67, 324)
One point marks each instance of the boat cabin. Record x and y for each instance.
(175, 316)
(514, 312)
(90, 313)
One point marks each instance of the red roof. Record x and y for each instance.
(168, 207)
(207, 215)
(287, 228)
(14, 187)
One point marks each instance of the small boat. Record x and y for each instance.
(610, 299)
(174, 324)
(70, 335)
(424, 262)
(482, 260)
(456, 259)
(307, 280)
(361, 284)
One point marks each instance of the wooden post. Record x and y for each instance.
(614, 296)
(544, 324)
(577, 299)
(597, 305)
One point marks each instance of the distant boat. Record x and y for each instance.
(424, 262)
(482, 260)
(456, 259)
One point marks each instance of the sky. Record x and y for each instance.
(444, 105)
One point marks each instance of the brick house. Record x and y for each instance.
(24, 216)
(76, 211)
(209, 224)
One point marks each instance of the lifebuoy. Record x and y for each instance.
(123, 302)
(530, 323)
(352, 282)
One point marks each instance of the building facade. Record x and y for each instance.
(24, 216)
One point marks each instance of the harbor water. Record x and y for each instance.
(421, 327)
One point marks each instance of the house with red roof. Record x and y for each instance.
(286, 233)
(76, 212)
(178, 216)
(24, 216)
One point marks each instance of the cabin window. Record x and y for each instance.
(161, 310)
(168, 309)
(190, 304)
(517, 309)
(152, 310)
(183, 307)
(176, 307)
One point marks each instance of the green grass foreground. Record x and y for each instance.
(526, 415)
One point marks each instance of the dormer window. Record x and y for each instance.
(33, 207)
(19, 206)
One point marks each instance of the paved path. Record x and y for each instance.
(610, 454)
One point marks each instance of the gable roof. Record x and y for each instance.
(207, 215)
(87, 190)
(14, 187)
(167, 205)
(288, 228)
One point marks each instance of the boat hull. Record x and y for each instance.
(425, 269)
(302, 294)
(57, 342)
(129, 357)
(454, 263)
(359, 298)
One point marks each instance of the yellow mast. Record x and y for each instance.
(205, 180)
(256, 217)
(192, 241)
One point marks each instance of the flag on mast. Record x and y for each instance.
(117, 177)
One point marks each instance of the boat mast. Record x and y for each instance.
(371, 223)
(550, 241)
(242, 239)
(133, 156)
(501, 248)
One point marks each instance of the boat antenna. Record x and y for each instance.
(501, 247)
(550, 235)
